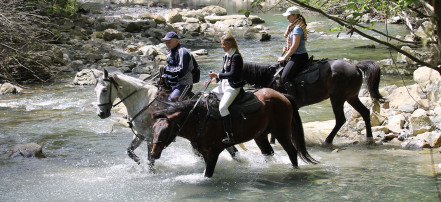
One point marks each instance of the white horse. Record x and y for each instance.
(137, 96)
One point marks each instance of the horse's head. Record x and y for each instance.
(163, 134)
(106, 93)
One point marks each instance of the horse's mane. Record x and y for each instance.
(132, 81)
(183, 106)
(259, 75)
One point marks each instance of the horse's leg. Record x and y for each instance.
(285, 141)
(264, 145)
(232, 150)
(365, 113)
(133, 145)
(210, 163)
(272, 139)
(337, 106)
(151, 160)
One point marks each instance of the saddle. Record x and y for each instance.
(246, 102)
(310, 74)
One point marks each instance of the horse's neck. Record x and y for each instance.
(191, 126)
(141, 98)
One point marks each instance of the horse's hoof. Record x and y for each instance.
(370, 141)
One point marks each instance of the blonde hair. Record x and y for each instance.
(229, 39)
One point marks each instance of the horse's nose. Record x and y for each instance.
(102, 115)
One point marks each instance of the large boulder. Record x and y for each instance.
(406, 95)
(420, 122)
(7, 88)
(174, 16)
(425, 74)
(215, 10)
(395, 123)
(86, 77)
(27, 150)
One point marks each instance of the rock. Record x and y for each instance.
(86, 77)
(174, 16)
(131, 48)
(111, 34)
(317, 131)
(407, 108)
(426, 27)
(200, 52)
(157, 18)
(7, 88)
(252, 19)
(400, 96)
(424, 140)
(395, 123)
(253, 33)
(403, 58)
(215, 10)
(420, 122)
(133, 27)
(425, 74)
(27, 150)
(415, 143)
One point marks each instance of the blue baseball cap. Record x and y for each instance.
(170, 35)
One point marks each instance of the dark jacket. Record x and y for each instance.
(233, 70)
(177, 71)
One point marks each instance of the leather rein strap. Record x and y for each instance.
(130, 120)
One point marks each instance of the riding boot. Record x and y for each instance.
(291, 90)
(226, 120)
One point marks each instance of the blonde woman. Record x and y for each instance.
(231, 82)
(295, 50)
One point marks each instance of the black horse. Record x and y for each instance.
(338, 80)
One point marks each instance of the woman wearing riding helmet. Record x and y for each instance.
(295, 51)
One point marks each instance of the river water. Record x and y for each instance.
(86, 158)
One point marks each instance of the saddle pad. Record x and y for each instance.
(245, 102)
(310, 75)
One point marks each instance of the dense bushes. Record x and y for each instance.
(26, 30)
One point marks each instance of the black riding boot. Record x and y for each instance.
(226, 120)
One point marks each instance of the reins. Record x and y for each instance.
(203, 89)
(130, 120)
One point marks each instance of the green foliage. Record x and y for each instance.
(60, 7)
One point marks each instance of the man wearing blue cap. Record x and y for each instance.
(178, 70)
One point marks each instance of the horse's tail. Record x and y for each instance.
(372, 72)
(298, 135)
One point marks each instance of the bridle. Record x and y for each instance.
(112, 81)
(171, 135)
(109, 102)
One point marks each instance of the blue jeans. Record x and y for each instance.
(177, 91)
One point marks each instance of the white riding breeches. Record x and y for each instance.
(228, 95)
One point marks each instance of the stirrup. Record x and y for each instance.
(228, 140)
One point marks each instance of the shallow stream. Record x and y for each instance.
(87, 160)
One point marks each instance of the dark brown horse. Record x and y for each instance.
(186, 118)
(338, 80)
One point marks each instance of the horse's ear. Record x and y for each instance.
(106, 74)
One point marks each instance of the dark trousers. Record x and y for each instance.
(295, 65)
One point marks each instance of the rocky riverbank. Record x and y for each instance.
(129, 40)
